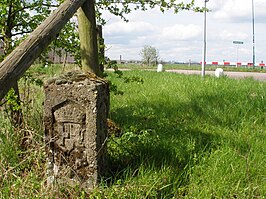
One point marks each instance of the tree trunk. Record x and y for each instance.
(88, 38)
(16, 115)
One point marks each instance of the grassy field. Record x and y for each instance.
(183, 137)
(194, 67)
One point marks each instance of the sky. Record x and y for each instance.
(179, 37)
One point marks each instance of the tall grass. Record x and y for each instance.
(208, 134)
(183, 137)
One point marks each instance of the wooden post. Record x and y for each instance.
(88, 38)
(18, 61)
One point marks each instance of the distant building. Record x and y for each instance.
(52, 56)
(62, 57)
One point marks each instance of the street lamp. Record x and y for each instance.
(253, 34)
(204, 42)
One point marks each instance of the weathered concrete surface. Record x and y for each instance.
(75, 121)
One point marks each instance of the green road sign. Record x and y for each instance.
(238, 42)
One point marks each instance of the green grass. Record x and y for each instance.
(207, 133)
(193, 67)
(183, 137)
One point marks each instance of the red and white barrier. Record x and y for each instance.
(227, 63)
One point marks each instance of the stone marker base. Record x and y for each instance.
(75, 121)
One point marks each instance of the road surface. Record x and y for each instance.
(235, 75)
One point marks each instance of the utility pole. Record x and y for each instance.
(253, 34)
(204, 42)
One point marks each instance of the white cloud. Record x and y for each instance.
(169, 39)
(181, 32)
(238, 10)
(179, 36)
(127, 53)
(232, 35)
(134, 27)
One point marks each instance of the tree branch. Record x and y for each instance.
(21, 33)
(33, 6)
(47, 5)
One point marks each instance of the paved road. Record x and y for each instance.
(235, 75)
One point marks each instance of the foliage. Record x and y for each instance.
(12, 103)
(29, 79)
(112, 64)
(150, 55)
(68, 42)
(133, 140)
(19, 18)
(126, 79)
(123, 7)
(11, 100)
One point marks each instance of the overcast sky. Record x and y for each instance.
(179, 37)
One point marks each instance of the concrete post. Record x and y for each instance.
(75, 121)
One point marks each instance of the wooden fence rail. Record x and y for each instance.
(17, 62)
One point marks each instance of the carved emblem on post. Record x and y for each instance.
(69, 129)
